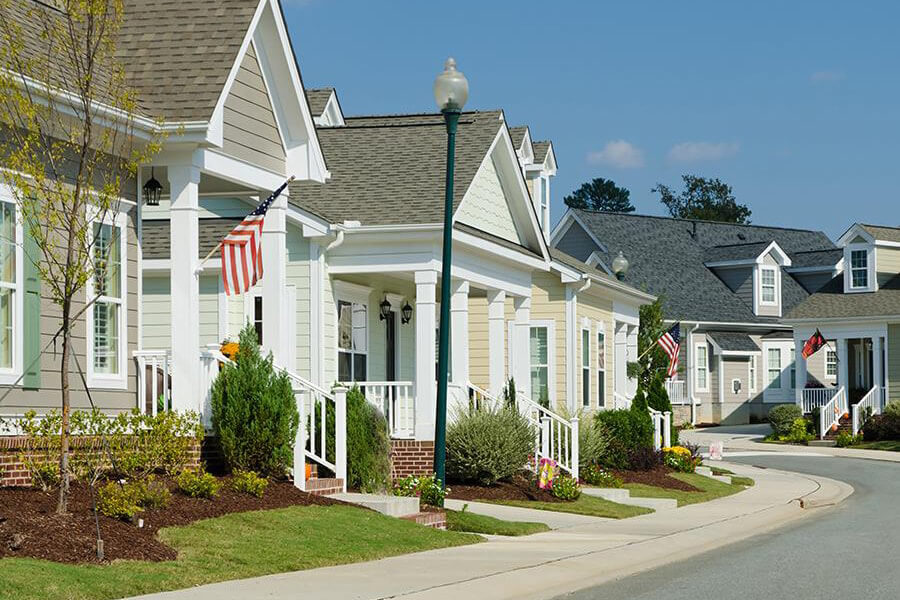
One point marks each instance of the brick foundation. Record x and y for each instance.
(14, 473)
(433, 519)
(324, 486)
(411, 457)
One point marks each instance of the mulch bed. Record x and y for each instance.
(520, 488)
(29, 526)
(658, 477)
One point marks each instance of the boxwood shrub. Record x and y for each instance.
(782, 418)
(487, 445)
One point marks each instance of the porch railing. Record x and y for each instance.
(871, 404)
(153, 380)
(662, 428)
(813, 398)
(620, 401)
(396, 400)
(832, 411)
(211, 358)
(677, 391)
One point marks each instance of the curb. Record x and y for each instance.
(831, 492)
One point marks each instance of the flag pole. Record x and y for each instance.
(199, 268)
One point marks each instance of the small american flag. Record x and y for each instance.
(670, 342)
(242, 264)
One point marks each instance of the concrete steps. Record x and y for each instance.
(623, 496)
(392, 506)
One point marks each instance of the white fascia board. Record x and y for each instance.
(312, 225)
(781, 325)
(855, 230)
(626, 313)
(489, 247)
(849, 321)
(236, 170)
(785, 259)
(550, 161)
(567, 273)
(566, 222)
(719, 264)
(740, 352)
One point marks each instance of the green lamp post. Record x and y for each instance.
(451, 90)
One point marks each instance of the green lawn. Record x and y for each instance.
(720, 471)
(889, 445)
(710, 489)
(231, 547)
(585, 505)
(469, 521)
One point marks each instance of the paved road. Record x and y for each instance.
(852, 551)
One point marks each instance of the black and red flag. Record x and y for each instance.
(813, 344)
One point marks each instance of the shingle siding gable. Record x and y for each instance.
(577, 242)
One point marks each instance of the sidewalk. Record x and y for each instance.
(749, 438)
(549, 564)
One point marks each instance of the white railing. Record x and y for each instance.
(620, 402)
(832, 411)
(871, 404)
(211, 358)
(677, 391)
(813, 398)
(313, 404)
(396, 400)
(662, 428)
(153, 380)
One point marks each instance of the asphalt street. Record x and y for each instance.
(850, 551)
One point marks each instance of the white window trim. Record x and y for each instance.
(601, 330)
(249, 305)
(590, 365)
(13, 374)
(102, 380)
(872, 282)
(779, 377)
(752, 373)
(792, 369)
(551, 353)
(354, 294)
(697, 367)
(777, 285)
(828, 363)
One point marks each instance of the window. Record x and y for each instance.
(702, 368)
(774, 368)
(258, 318)
(601, 369)
(752, 374)
(793, 368)
(859, 269)
(107, 310)
(767, 282)
(586, 368)
(352, 341)
(8, 284)
(540, 365)
(831, 363)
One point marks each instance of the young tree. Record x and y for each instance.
(653, 363)
(703, 199)
(70, 154)
(600, 194)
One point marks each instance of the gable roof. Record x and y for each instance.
(390, 169)
(517, 134)
(831, 302)
(728, 341)
(883, 233)
(666, 258)
(540, 150)
(318, 99)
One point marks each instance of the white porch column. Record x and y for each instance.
(426, 321)
(185, 287)
(459, 332)
(496, 316)
(274, 283)
(877, 361)
(621, 356)
(632, 353)
(799, 341)
(843, 378)
(521, 350)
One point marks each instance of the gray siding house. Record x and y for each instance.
(729, 286)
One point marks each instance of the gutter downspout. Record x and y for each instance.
(336, 242)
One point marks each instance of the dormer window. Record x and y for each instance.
(859, 269)
(768, 285)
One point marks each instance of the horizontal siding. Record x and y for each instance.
(887, 261)
(158, 309)
(893, 359)
(298, 275)
(595, 309)
(548, 303)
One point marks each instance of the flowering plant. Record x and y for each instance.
(680, 458)
(600, 477)
(427, 489)
(565, 487)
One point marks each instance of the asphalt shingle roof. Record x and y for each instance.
(157, 239)
(733, 342)
(318, 99)
(734, 252)
(540, 150)
(390, 170)
(816, 258)
(831, 302)
(667, 258)
(517, 134)
(883, 233)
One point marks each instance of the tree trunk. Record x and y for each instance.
(63, 505)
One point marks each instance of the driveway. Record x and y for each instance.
(846, 552)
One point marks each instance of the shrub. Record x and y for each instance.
(593, 438)
(143, 444)
(882, 427)
(565, 488)
(679, 458)
(198, 484)
(644, 458)
(845, 439)
(368, 445)
(892, 409)
(597, 476)
(119, 501)
(254, 413)
(249, 482)
(782, 418)
(151, 493)
(427, 488)
(486, 445)
(628, 430)
(798, 433)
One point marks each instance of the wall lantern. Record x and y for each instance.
(385, 309)
(406, 313)
(152, 190)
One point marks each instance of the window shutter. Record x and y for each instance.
(32, 321)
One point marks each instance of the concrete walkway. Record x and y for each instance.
(553, 520)
(744, 438)
(548, 564)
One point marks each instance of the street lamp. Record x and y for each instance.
(451, 90)
(620, 266)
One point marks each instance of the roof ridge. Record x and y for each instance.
(662, 217)
(742, 244)
(421, 114)
(880, 226)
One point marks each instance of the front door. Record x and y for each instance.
(390, 350)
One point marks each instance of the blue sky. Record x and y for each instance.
(795, 105)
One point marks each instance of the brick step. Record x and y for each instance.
(324, 486)
(433, 519)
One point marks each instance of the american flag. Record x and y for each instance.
(670, 342)
(242, 264)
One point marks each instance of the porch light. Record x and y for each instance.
(385, 308)
(406, 313)
(620, 266)
(152, 190)
(451, 89)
